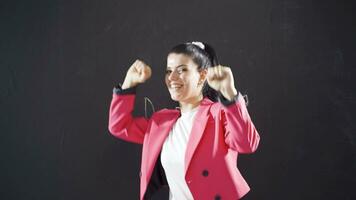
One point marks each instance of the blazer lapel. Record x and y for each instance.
(158, 137)
(165, 124)
(197, 131)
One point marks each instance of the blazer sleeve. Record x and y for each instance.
(240, 132)
(121, 122)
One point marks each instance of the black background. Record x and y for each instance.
(295, 59)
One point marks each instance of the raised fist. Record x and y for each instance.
(139, 72)
(221, 79)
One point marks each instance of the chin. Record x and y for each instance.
(175, 97)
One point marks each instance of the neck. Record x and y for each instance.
(191, 104)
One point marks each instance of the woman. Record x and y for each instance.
(192, 149)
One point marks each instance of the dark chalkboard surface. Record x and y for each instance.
(59, 61)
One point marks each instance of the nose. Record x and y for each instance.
(172, 75)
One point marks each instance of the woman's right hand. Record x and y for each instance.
(139, 72)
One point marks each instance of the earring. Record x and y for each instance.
(200, 82)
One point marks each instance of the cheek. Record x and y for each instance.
(166, 80)
(191, 81)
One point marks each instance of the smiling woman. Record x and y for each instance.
(184, 82)
(193, 150)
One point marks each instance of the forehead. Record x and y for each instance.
(175, 60)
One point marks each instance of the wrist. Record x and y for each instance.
(229, 93)
(128, 84)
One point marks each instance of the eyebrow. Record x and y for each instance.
(182, 65)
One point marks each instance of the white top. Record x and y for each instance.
(173, 153)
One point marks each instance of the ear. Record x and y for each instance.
(203, 74)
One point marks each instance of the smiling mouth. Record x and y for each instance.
(175, 87)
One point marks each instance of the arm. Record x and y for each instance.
(121, 122)
(240, 132)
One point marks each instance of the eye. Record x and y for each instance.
(168, 71)
(181, 70)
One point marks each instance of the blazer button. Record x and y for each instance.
(205, 173)
(217, 197)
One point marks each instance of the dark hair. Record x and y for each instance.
(204, 56)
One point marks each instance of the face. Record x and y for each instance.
(183, 79)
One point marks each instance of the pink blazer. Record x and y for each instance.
(219, 134)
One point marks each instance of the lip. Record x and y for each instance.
(175, 86)
(175, 89)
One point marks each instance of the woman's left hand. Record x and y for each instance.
(221, 79)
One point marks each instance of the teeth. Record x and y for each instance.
(176, 86)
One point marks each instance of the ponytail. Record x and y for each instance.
(207, 90)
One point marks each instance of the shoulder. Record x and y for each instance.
(165, 112)
(215, 107)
